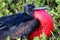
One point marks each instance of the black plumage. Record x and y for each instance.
(17, 25)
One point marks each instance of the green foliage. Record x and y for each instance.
(42, 37)
(36, 38)
(9, 7)
(8, 38)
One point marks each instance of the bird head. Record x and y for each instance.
(28, 9)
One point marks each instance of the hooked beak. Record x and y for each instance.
(42, 8)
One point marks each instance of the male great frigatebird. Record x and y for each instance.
(18, 25)
(32, 22)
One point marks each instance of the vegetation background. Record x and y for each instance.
(9, 7)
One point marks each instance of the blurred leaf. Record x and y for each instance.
(9, 1)
(8, 38)
(2, 5)
(58, 1)
(13, 6)
(36, 38)
(18, 39)
(43, 36)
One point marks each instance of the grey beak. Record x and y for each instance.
(42, 8)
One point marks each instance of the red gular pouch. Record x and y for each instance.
(46, 24)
